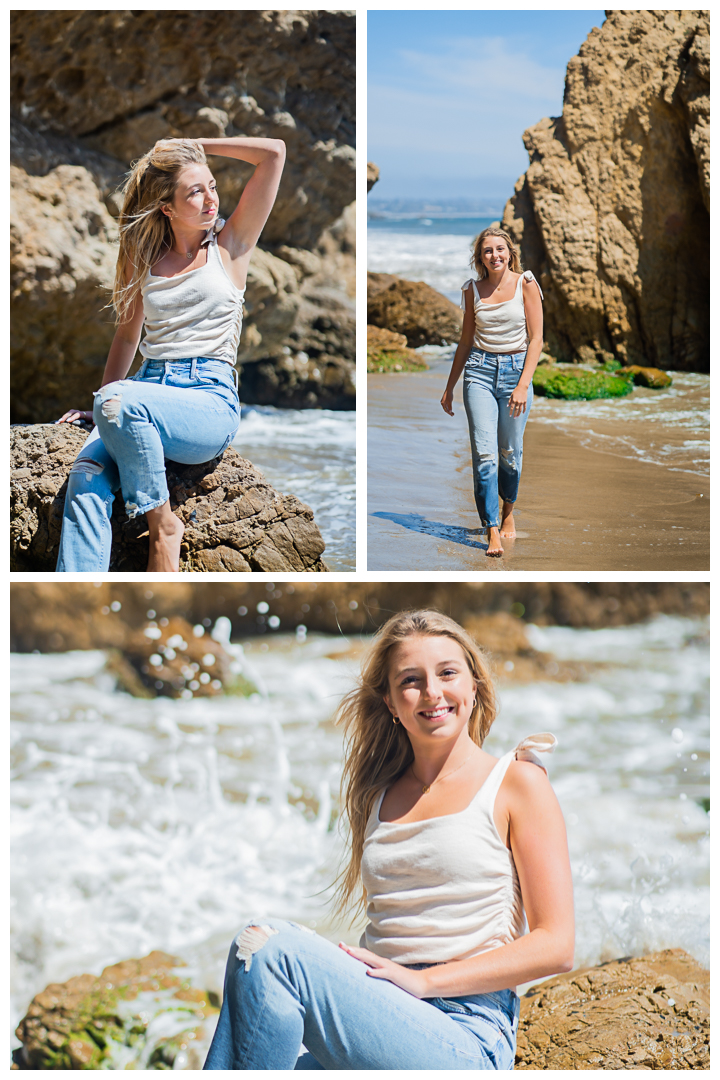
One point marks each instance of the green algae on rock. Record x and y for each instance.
(138, 1014)
(579, 384)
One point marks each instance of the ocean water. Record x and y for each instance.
(665, 427)
(309, 453)
(140, 825)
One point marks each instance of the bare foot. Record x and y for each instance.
(494, 548)
(166, 533)
(507, 526)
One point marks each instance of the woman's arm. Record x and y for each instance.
(462, 352)
(534, 319)
(243, 227)
(539, 847)
(120, 358)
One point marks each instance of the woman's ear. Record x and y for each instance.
(388, 704)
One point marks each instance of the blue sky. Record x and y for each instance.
(451, 92)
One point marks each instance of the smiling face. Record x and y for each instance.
(495, 254)
(431, 687)
(195, 203)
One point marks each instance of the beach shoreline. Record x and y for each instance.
(579, 509)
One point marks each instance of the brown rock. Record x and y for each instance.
(76, 127)
(387, 351)
(612, 214)
(373, 175)
(229, 510)
(648, 376)
(412, 308)
(647, 1013)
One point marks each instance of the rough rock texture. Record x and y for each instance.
(387, 351)
(234, 520)
(647, 1013)
(613, 212)
(91, 91)
(412, 308)
(373, 175)
(56, 617)
(89, 1022)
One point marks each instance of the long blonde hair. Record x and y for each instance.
(379, 751)
(145, 231)
(476, 262)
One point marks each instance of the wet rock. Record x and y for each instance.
(423, 315)
(504, 638)
(647, 1013)
(613, 211)
(387, 351)
(647, 376)
(77, 126)
(111, 1021)
(234, 520)
(578, 384)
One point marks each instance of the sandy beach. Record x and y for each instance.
(579, 509)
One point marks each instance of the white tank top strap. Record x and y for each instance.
(529, 276)
(468, 283)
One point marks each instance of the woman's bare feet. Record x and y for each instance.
(494, 548)
(507, 525)
(166, 533)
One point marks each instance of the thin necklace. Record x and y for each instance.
(426, 787)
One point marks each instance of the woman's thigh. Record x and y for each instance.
(354, 1021)
(481, 407)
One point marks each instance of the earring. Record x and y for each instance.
(396, 719)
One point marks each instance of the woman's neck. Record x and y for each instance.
(185, 240)
(435, 758)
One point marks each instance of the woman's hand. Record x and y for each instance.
(75, 414)
(414, 982)
(446, 401)
(518, 401)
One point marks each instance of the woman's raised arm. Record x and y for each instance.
(243, 227)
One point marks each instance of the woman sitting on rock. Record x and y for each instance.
(499, 348)
(448, 871)
(181, 272)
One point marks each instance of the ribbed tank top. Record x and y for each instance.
(445, 888)
(500, 328)
(198, 313)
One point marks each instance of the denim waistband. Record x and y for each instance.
(191, 362)
(480, 353)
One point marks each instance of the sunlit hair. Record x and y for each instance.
(476, 260)
(145, 232)
(379, 751)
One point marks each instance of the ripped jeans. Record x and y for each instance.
(487, 385)
(185, 410)
(293, 1000)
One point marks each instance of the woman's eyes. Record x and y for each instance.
(447, 673)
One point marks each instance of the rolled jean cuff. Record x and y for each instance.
(137, 511)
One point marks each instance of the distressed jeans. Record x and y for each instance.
(184, 410)
(496, 437)
(293, 1000)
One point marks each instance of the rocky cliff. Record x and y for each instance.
(91, 91)
(613, 212)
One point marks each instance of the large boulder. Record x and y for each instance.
(647, 1013)
(78, 123)
(234, 520)
(412, 308)
(373, 175)
(613, 211)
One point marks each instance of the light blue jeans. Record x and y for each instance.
(184, 410)
(293, 1000)
(488, 383)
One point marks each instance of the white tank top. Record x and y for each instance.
(198, 313)
(445, 888)
(500, 328)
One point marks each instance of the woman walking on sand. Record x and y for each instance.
(181, 273)
(448, 871)
(499, 348)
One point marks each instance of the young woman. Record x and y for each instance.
(499, 348)
(452, 847)
(181, 273)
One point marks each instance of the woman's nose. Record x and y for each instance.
(433, 689)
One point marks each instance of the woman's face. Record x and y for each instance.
(494, 253)
(431, 687)
(195, 203)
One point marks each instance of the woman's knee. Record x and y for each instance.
(113, 402)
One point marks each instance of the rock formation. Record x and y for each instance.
(414, 309)
(373, 175)
(647, 1013)
(234, 520)
(387, 351)
(58, 616)
(613, 211)
(91, 91)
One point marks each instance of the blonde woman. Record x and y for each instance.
(450, 849)
(181, 274)
(499, 348)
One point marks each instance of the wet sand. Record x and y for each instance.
(578, 510)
